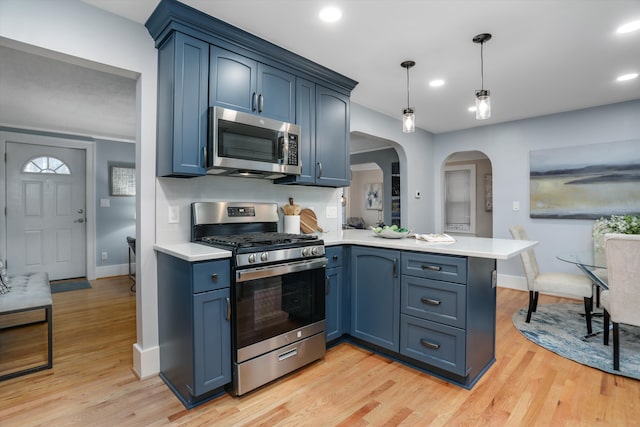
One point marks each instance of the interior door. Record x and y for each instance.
(46, 219)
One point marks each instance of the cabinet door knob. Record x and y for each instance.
(214, 277)
(335, 257)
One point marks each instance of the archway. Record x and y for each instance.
(467, 195)
(376, 168)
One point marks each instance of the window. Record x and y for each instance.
(460, 199)
(46, 164)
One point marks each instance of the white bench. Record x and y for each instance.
(29, 292)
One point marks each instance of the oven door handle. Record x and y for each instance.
(280, 269)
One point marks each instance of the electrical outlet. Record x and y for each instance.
(105, 203)
(331, 212)
(516, 206)
(174, 215)
(104, 255)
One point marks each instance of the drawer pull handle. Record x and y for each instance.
(431, 267)
(429, 345)
(214, 277)
(288, 354)
(430, 301)
(228, 309)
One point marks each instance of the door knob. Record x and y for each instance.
(80, 220)
(80, 210)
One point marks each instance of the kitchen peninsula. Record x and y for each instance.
(428, 305)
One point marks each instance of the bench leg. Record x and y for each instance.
(49, 310)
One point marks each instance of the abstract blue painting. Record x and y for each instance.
(586, 181)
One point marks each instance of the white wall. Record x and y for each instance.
(77, 32)
(508, 145)
(358, 196)
(415, 152)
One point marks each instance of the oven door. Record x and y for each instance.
(277, 305)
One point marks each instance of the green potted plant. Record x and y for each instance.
(622, 224)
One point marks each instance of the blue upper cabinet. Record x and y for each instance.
(206, 62)
(233, 80)
(183, 71)
(276, 94)
(323, 117)
(242, 84)
(332, 138)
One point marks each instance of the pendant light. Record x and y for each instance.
(483, 101)
(408, 116)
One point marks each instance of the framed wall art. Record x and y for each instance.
(586, 181)
(373, 194)
(122, 180)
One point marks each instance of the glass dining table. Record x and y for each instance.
(592, 268)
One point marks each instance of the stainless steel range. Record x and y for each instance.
(277, 289)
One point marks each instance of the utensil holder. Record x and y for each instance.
(292, 224)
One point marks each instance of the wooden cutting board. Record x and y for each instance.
(309, 221)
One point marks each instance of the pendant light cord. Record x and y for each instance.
(408, 103)
(481, 66)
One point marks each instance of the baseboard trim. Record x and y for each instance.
(512, 282)
(146, 362)
(113, 270)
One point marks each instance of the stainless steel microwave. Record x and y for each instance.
(241, 144)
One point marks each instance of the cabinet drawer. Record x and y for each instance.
(334, 255)
(211, 275)
(438, 267)
(432, 343)
(439, 301)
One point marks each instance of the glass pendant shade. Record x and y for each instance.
(483, 105)
(408, 120)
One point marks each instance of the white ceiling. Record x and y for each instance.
(545, 57)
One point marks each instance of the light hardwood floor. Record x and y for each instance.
(92, 383)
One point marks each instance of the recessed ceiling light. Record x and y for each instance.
(436, 83)
(472, 109)
(330, 14)
(629, 27)
(626, 77)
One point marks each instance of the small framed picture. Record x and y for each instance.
(122, 180)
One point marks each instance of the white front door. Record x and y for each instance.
(46, 212)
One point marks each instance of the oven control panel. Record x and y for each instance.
(279, 255)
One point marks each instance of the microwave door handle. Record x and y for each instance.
(204, 156)
(281, 149)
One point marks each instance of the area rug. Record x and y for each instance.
(561, 328)
(69, 286)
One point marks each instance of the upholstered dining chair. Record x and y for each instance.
(557, 283)
(621, 302)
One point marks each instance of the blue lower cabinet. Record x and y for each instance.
(433, 343)
(194, 327)
(375, 296)
(333, 305)
(334, 291)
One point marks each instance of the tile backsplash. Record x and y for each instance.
(175, 195)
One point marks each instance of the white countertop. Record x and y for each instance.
(480, 247)
(192, 251)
